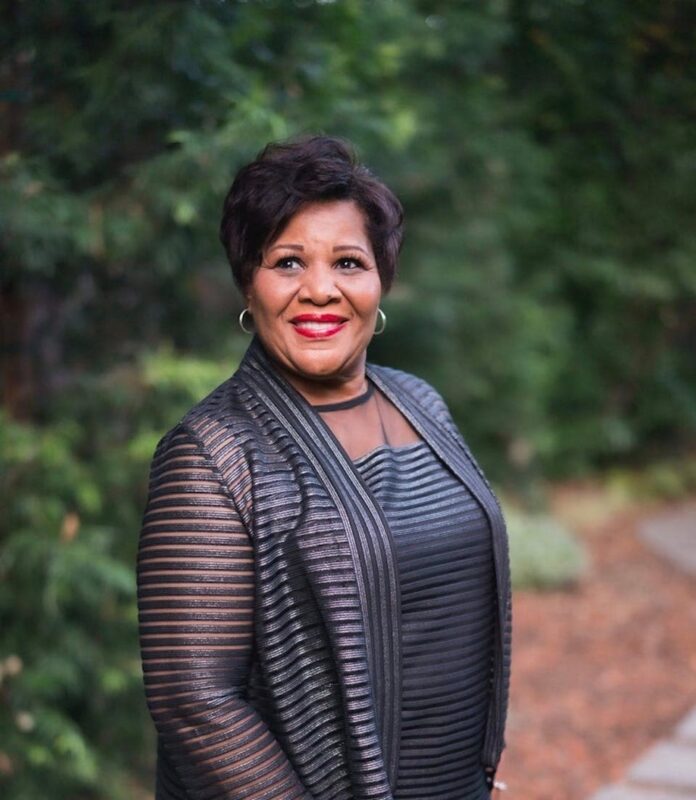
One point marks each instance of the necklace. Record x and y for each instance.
(353, 401)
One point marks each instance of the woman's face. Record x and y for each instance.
(314, 298)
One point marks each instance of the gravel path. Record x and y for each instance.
(605, 668)
(667, 771)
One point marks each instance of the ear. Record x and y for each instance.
(248, 290)
(248, 298)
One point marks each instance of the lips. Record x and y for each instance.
(318, 326)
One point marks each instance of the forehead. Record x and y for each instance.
(326, 221)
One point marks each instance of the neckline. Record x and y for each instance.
(350, 403)
(385, 447)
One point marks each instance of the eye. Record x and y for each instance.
(350, 263)
(287, 264)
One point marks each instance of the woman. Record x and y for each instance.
(323, 577)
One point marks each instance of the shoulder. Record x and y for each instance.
(432, 402)
(219, 432)
(424, 393)
(216, 423)
(415, 385)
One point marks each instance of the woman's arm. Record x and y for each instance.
(195, 601)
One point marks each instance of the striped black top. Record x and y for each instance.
(445, 561)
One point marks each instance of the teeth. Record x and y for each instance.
(317, 326)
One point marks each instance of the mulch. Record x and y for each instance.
(600, 670)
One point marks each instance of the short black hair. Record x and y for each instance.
(270, 190)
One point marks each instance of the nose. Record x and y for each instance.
(319, 285)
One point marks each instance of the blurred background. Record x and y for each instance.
(545, 153)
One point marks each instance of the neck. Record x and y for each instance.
(320, 390)
(333, 389)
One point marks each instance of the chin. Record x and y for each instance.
(321, 370)
(326, 366)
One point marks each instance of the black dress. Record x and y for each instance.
(445, 560)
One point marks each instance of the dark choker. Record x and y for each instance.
(354, 401)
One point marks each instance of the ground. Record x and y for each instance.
(601, 670)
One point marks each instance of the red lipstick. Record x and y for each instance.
(318, 326)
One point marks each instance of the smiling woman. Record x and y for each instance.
(314, 299)
(323, 576)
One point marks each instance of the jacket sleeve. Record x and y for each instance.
(195, 603)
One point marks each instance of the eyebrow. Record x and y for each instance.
(286, 246)
(337, 249)
(340, 247)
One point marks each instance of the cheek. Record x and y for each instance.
(368, 298)
(265, 297)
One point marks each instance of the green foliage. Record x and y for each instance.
(544, 554)
(72, 710)
(543, 151)
(664, 479)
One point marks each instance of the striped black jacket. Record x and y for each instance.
(321, 688)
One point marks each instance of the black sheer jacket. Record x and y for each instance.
(268, 597)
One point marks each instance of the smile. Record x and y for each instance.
(318, 326)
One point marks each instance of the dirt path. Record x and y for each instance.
(602, 671)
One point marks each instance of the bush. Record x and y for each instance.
(72, 710)
(543, 553)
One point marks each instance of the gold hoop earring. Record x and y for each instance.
(383, 317)
(241, 320)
